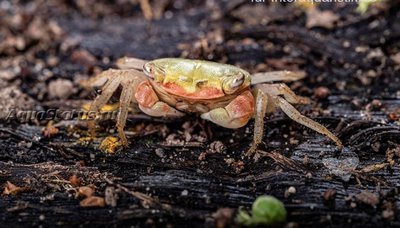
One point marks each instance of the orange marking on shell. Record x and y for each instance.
(145, 95)
(203, 93)
(242, 106)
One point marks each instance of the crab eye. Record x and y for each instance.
(232, 83)
(148, 69)
(238, 81)
(153, 71)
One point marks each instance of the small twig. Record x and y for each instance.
(283, 161)
(186, 144)
(145, 199)
(63, 147)
(361, 175)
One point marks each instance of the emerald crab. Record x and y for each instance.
(223, 94)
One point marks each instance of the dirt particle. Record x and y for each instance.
(389, 210)
(368, 198)
(85, 191)
(202, 156)
(160, 152)
(290, 191)
(237, 165)
(172, 139)
(374, 105)
(9, 73)
(393, 116)
(293, 141)
(93, 201)
(25, 144)
(223, 217)
(111, 196)
(306, 160)
(52, 61)
(396, 58)
(292, 225)
(321, 93)
(61, 89)
(185, 193)
(388, 214)
(49, 131)
(83, 57)
(74, 181)
(330, 195)
(324, 19)
(217, 147)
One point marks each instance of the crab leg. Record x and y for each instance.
(261, 108)
(125, 100)
(130, 63)
(295, 115)
(97, 81)
(129, 79)
(285, 91)
(269, 98)
(108, 90)
(273, 76)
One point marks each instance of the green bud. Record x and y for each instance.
(266, 210)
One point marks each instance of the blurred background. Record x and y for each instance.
(342, 45)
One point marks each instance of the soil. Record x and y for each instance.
(188, 171)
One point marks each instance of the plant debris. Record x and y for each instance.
(11, 189)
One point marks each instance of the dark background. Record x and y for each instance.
(352, 62)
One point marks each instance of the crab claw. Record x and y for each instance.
(150, 104)
(235, 115)
(161, 109)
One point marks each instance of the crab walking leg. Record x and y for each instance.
(108, 90)
(274, 76)
(125, 101)
(150, 104)
(285, 91)
(261, 108)
(99, 80)
(235, 115)
(295, 115)
(130, 63)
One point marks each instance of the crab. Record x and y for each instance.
(223, 94)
